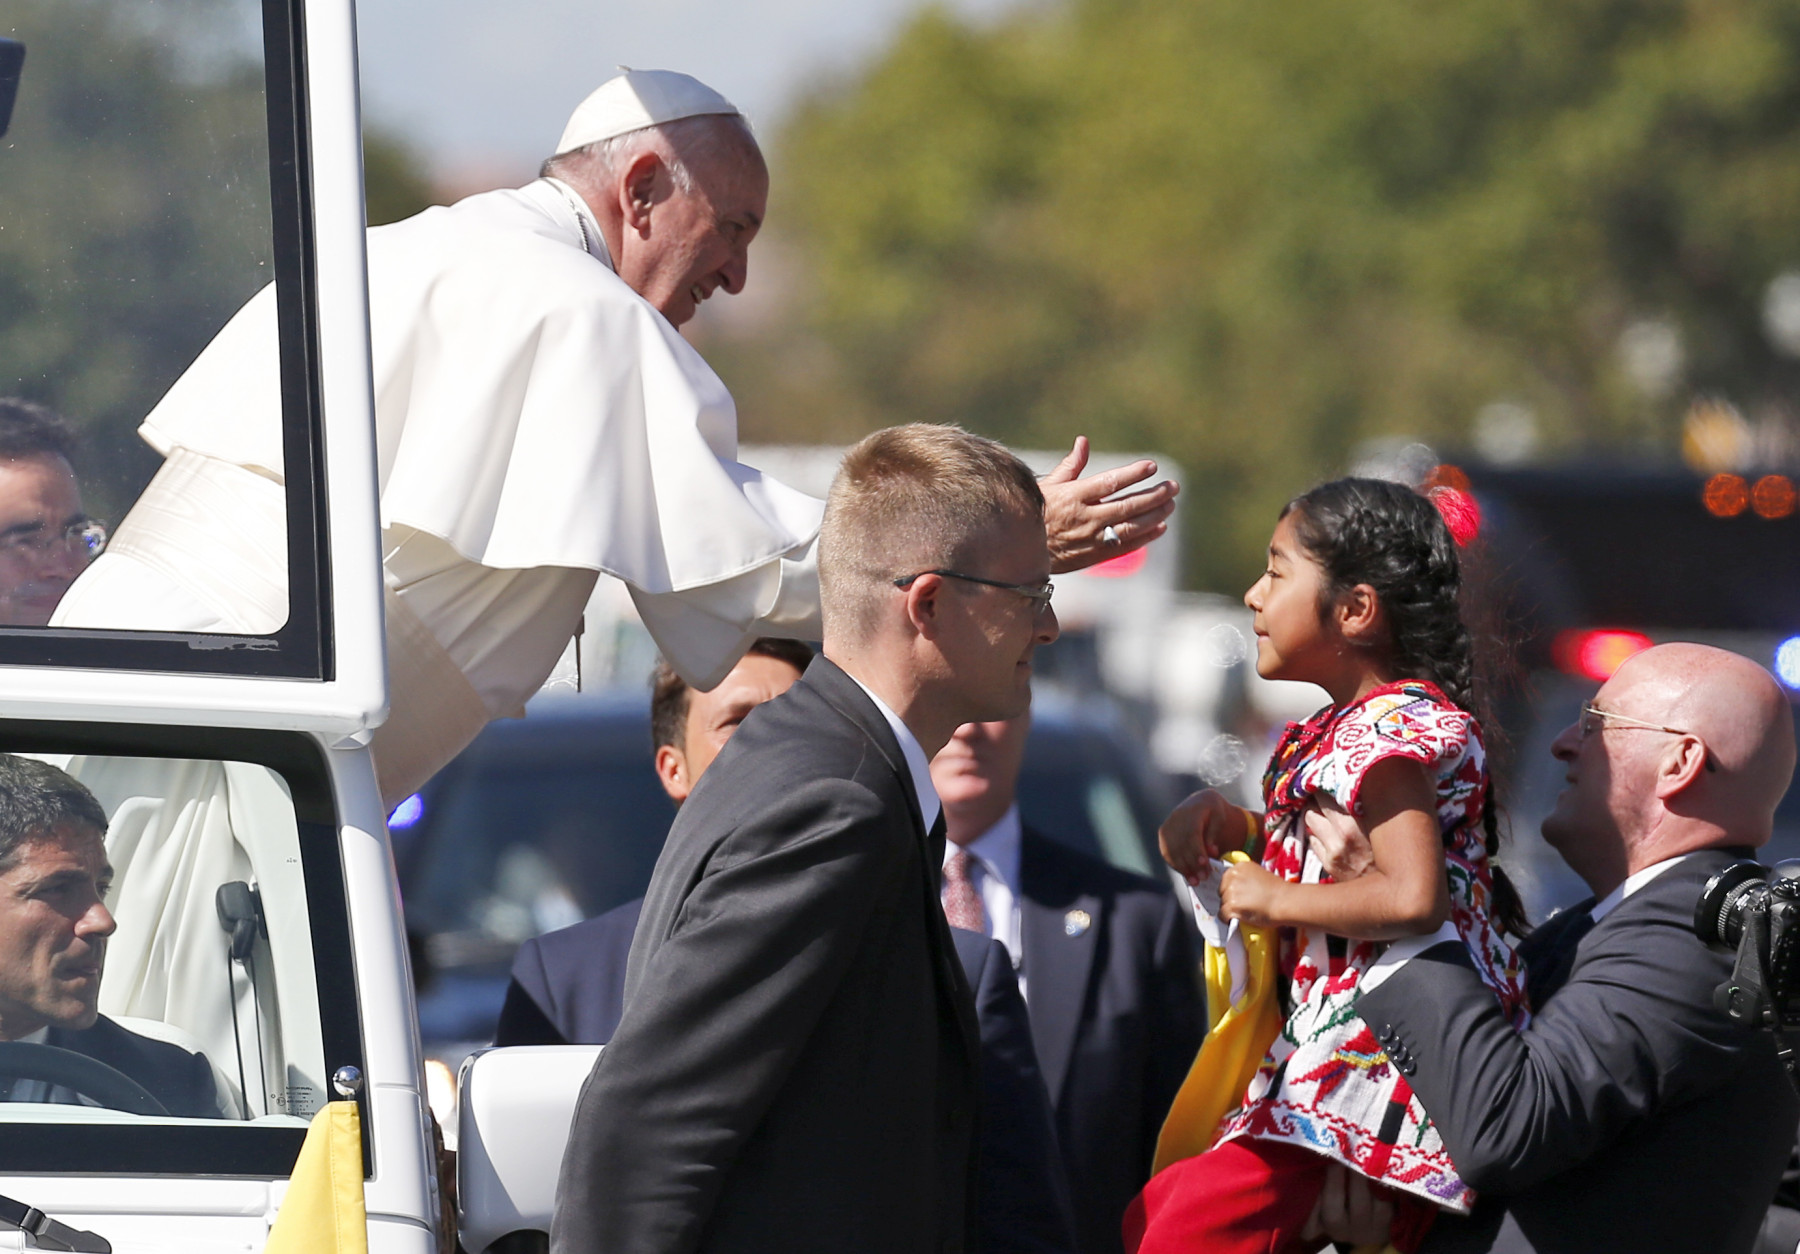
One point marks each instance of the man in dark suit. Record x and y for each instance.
(568, 986)
(1105, 960)
(53, 930)
(796, 1065)
(573, 993)
(1631, 1115)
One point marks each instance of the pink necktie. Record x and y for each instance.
(962, 904)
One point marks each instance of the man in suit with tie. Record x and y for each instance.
(1631, 1115)
(796, 1066)
(568, 986)
(1105, 961)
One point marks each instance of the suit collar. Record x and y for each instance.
(918, 766)
(841, 691)
(849, 698)
(1061, 926)
(1633, 882)
(1678, 879)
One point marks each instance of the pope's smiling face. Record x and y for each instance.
(683, 246)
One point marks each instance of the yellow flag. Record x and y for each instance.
(323, 1210)
(1237, 1038)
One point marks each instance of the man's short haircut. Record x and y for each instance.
(909, 499)
(30, 430)
(687, 144)
(670, 695)
(35, 798)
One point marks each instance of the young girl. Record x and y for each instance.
(1360, 597)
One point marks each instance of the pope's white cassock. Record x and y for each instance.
(538, 423)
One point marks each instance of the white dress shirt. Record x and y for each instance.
(914, 753)
(994, 871)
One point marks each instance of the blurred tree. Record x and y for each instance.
(134, 210)
(395, 182)
(1253, 236)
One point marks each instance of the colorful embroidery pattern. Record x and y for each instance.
(1326, 1083)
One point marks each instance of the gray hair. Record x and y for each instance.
(681, 145)
(35, 799)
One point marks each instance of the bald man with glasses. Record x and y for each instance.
(1631, 1115)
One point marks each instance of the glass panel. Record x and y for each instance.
(168, 975)
(138, 219)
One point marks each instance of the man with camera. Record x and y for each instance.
(1632, 1115)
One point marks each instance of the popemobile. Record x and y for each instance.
(164, 162)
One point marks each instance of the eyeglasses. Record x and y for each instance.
(1038, 594)
(1593, 719)
(87, 538)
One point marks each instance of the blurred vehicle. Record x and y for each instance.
(545, 821)
(1583, 565)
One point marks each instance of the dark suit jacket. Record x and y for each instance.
(1023, 1200)
(1116, 1014)
(796, 1065)
(568, 988)
(1631, 1116)
(181, 1081)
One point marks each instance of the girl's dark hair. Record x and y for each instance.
(1392, 538)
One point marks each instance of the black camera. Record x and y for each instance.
(1756, 910)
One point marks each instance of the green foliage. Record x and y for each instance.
(1254, 235)
(395, 184)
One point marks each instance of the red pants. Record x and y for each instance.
(1245, 1197)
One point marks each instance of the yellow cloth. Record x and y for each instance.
(323, 1210)
(1237, 1037)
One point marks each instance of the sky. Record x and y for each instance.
(481, 88)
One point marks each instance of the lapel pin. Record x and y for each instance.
(1076, 922)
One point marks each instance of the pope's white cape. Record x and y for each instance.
(531, 409)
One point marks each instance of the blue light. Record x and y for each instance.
(1787, 661)
(407, 812)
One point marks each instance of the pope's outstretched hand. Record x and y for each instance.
(1087, 524)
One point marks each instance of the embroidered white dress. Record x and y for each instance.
(1327, 1083)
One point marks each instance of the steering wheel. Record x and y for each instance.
(112, 1088)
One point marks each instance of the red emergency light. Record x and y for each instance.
(1122, 565)
(1596, 654)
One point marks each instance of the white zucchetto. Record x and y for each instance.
(636, 99)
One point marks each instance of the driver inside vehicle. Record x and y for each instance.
(55, 1045)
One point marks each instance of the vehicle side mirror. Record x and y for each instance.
(12, 63)
(517, 1104)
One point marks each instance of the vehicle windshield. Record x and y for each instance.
(167, 926)
(140, 222)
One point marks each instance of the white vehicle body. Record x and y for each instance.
(138, 1186)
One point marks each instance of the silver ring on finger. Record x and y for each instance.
(1110, 537)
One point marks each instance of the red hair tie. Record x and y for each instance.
(1459, 511)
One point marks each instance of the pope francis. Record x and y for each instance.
(539, 421)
